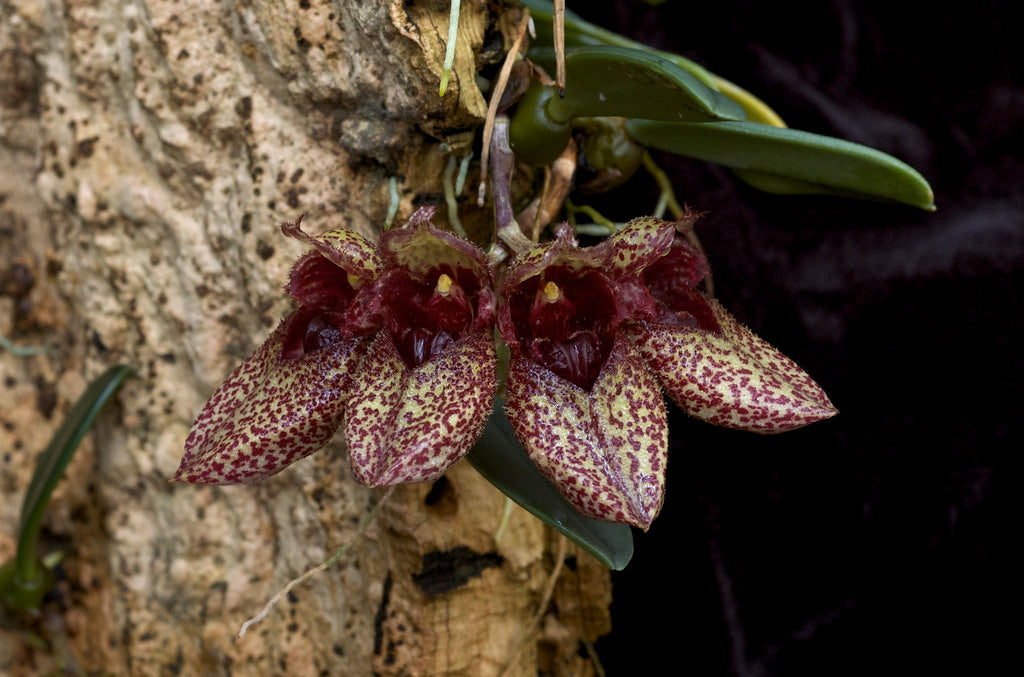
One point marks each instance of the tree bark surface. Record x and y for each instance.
(148, 150)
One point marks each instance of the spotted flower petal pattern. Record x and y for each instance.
(407, 425)
(286, 400)
(272, 410)
(713, 367)
(394, 342)
(399, 332)
(595, 333)
(427, 386)
(605, 448)
(732, 378)
(579, 397)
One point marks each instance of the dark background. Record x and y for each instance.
(882, 541)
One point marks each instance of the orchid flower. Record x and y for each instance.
(393, 342)
(596, 333)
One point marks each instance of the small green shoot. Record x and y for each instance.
(26, 579)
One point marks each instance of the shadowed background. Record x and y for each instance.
(880, 541)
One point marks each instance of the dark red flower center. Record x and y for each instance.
(672, 281)
(426, 315)
(326, 294)
(310, 330)
(565, 321)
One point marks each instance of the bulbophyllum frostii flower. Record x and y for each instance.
(426, 386)
(595, 334)
(393, 342)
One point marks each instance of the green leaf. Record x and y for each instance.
(580, 33)
(23, 582)
(626, 82)
(499, 457)
(610, 81)
(790, 161)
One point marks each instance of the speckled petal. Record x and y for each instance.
(410, 425)
(562, 251)
(640, 243)
(270, 412)
(605, 449)
(343, 247)
(419, 247)
(734, 379)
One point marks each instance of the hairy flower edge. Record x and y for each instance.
(405, 425)
(604, 448)
(271, 411)
(733, 378)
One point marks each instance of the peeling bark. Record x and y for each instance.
(147, 152)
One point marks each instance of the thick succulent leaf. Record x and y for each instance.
(500, 458)
(801, 161)
(579, 32)
(270, 412)
(604, 449)
(343, 247)
(626, 82)
(756, 110)
(410, 425)
(733, 379)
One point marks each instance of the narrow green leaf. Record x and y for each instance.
(58, 454)
(626, 82)
(499, 457)
(791, 161)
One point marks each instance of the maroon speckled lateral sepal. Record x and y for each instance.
(270, 412)
(410, 425)
(733, 379)
(604, 449)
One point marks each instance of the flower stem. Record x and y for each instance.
(502, 165)
(664, 184)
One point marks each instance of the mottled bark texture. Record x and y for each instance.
(147, 152)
